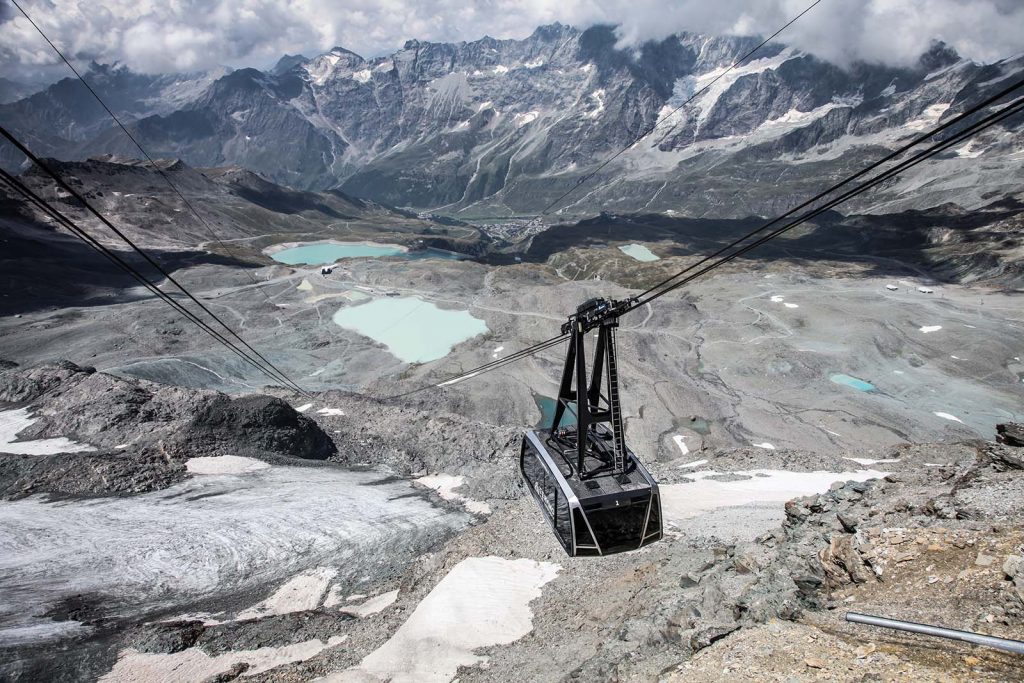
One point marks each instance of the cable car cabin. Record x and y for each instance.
(594, 492)
(606, 513)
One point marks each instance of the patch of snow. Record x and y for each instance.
(461, 125)
(888, 91)
(969, 151)
(947, 416)
(482, 602)
(303, 408)
(936, 464)
(195, 665)
(14, 421)
(869, 461)
(792, 305)
(485, 105)
(334, 597)
(500, 69)
(926, 290)
(355, 597)
(587, 68)
(331, 412)
(224, 464)
(764, 445)
(445, 485)
(536, 64)
(363, 76)
(304, 286)
(680, 441)
(320, 69)
(892, 288)
(120, 447)
(778, 299)
(520, 120)
(598, 98)
(931, 328)
(372, 606)
(929, 117)
(680, 502)
(695, 463)
(300, 594)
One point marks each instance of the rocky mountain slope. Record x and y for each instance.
(499, 127)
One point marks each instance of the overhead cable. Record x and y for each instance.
(156, 167)
(74, 193)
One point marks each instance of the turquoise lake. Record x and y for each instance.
(414, 330)
(852, 382)
(329, 252)
(639, 252)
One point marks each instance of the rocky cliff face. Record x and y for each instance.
(499, 127)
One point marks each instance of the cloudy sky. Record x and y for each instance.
(176, 35)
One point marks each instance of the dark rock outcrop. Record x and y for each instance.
(255, 424)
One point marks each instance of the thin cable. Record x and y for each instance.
(70, 190)
(1014, 108)
(92, 242)
(657, 123)
(131, 137)
(957, 119)
(484, 369)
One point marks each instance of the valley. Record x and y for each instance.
(834, 418)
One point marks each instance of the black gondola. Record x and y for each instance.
(594, 492)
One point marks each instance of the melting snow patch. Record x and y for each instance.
(598, 97)
(445, 485)
(224, 464)
(373, 605)
(300, 594)
(14, 421)
(304, 408)
(522, 119)
(331, 412)
(778, 299)
(764, 445)
(363, 76)
(195, 665)
(501, 69)
(680, 441)
(684, 501)
(788, 305)
(695, 463)
(931, 328)
(926, 290)
(947, 416)
(483, 601)
(892, 288)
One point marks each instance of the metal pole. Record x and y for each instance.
(939, 632)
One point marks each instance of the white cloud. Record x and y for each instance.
(175, 35)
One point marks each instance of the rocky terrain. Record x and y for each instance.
(502, 127)
(835, 420)
(752, 592)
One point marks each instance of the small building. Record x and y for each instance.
(926, 290)
(327, 270)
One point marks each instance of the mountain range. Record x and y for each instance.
(503, 127)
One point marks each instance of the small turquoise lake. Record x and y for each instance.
(639, 252)
(852, 382)
(414, 330)
(322, 253)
